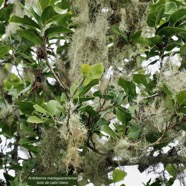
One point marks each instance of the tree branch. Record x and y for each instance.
(61, 83)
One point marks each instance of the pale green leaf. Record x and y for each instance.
(54, 107)
(34, 119)
(85, 69)
(118, 175)
(39, 109)
(109, 131)
(95, 72)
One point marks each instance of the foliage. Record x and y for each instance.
(76, 94)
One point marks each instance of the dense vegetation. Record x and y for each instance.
(76, 93)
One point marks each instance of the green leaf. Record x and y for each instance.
(140, 79)
(39, 109)
(85, 69)
(171, 170)
(58, 29)
(170, 8)
(32, 36)
(4, 50)
(27, 140)
(135, 35)
(2, 102)
(170, 104)
(96, 71)
(2, 28)
(182, 126)
(31, 148)
(167, 90)
(88, 109)
(137, 38)
(155, 6)
(181, 98)
(154, 41)
(48, 14)
(34, 119)
(118, 175)
(54, 107)
(183, 51)
(153, 19)
(116, 30)
(86, 88)
(1, 2)
(82, 99)
(33, 13)
(152, 137)
(63, 4)
(26, 107)
(8, 177)
(100, 123)
(129, 87)
(44, 3)
(181, 110)
(123, 115)
(24, 21)
(171, 45)
(6, 12)
(177, 16)
(109, 131)
(134, 132)
(170, 31)
(63, 98)
(27, 128)
(9, 130)
(61, 19)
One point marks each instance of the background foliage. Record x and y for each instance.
(76, 93)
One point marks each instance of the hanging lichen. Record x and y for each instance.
(89, 40)
(74, 133)
(51, 153)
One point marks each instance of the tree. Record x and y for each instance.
(76, 94)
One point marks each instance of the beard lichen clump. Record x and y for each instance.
(51, 154)
(152, 115)
(129, 151)
(75, 134)
(89, 40)
(177, 82)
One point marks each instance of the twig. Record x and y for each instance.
(61, 83)
(22, 79)
(79, 86)
(152, 96)
(170, 126)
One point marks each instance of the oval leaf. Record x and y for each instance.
(181, 98)
(129, 87)
(26, 107)
(48, 14)
(34, 119)
(140, 79)
(32, 36)
(118, 175)
(154, 18)
(109, 131)
(24, 21)
(54, 107)
(39, 109)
